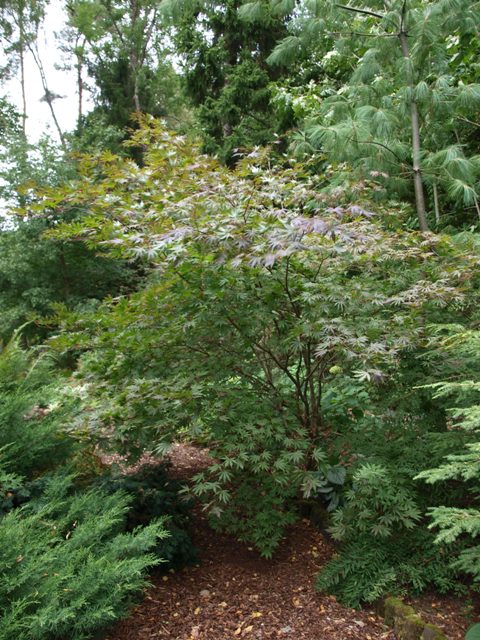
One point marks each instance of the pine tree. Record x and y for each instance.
(403, 112)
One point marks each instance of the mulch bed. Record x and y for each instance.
(452, 614)
(233, 593)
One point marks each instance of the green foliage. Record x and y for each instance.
(122, 45)
(459, 522)
(256, 507)
(19, 22)
(153, 496)
(385, 545)
(367, 569)
(74, 550)
(67, 568)
(10, 486)
(95, 133)
(384, 548)
(335, 295)
(36, 273)
(331, 485)
(158, 91)
(223, 54)
(30, 414)
(375, 506)
(473, 632)
(387, 87)
(23, 165)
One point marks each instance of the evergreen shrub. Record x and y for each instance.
(155, 495)
(457, 522)
(75, 549)
(30, 414)
(68, 567)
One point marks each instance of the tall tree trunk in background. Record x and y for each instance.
(415, 126)
(64, 275)
(436, 203)
(21, 28)
(49, 98)
(79, 51)
(134, 66)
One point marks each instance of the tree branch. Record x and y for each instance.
(255, 344)
(379, 144)
(475, 124)
(114, 23)
(349, 34)
(293, 304)
(364, 11)
(148, 37)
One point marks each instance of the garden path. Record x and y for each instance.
(233, 594)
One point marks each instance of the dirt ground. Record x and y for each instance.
(233, 593)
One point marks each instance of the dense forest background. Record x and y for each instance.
(262, 237)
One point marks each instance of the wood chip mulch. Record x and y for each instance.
(234, 594)
(451, 613)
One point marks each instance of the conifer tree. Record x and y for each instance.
(403, 112)
(120, 42)
(226, 74)
(459, 522)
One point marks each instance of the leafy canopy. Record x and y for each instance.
(262, 290)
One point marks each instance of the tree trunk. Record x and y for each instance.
(136, 97)
(416, 143)
(436, 202)
(64, 276)
(135, 63)
(48, 94)
(79, 66)
(22, 73)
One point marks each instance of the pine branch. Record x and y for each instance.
(380, 144)
(463, 119)
(348, 34)
(364, 11)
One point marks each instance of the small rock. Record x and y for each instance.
(287, 629)
(359, 623)
(205, 593)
